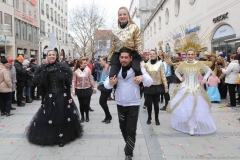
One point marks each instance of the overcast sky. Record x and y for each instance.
(111, 6)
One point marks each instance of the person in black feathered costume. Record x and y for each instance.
(57, 121)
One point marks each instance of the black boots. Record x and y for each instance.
(157, 122)
(163, 108)
(149, 120)
(82, 119)
(9, 114)
(87, 118)
(28, 99)
(90, 109)
(21, 104)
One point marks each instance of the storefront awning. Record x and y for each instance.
(232, 39)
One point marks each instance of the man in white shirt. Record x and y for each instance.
(127, 96)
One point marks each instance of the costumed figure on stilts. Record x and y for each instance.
(57, 120)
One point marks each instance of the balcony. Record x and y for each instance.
(51, 18)
(48, 16)
(42, 12)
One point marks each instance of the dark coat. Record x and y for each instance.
(20, 72)
(33, 67)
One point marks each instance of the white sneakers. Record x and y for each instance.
(191, 131)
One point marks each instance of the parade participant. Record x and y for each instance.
(83, 86)
(145, 60)
(212, 91)
(125, 34)
(156, 71)
(5, 88)
(128, 100)
(190, 104)
(57, 121)
(105, 93)
(231, 73)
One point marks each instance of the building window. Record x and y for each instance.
(35, 14)
(166, 16)
(24, 30)
(51, 14)
(24, 7)
(59, 19)
(60, 35)
(55, 16)
(57, 33)
(159, 22)
(8, 20)
(34, 34)
(30, 32)
(65, 9)
(52, 29)
(63, 37)
(191, 2)
(42, 27)
(47, 10)
(61, 6)
(42, 6)
(62, 21)
(49, 27)
(18, 29)
(148, 34)
(177, 7)
(9, 2)
(17, 5)
(1, 17)
(66, 37)
(150, 31)
(154, 27)
(30, 11)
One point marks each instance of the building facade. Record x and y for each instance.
(213, 22)
(102, 40)
(26, 28)
(54, 19)
(7, 17)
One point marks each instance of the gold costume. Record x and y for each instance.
(156, 72)
(128, 37)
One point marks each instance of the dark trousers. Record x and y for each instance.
(116, 66)
(103, 102)
(232, 94)
(84, 103)
(13, 96)
(222, 87)
(5, 102)
(128, 117)
(19, 94)
(153, 99)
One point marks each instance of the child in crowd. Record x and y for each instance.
(213, 92)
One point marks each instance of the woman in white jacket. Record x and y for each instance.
(231, 76)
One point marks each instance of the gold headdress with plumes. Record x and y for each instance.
(191, 40)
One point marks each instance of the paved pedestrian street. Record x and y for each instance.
(104, 141)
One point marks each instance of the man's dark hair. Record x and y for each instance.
(32, 60)
(127, 50)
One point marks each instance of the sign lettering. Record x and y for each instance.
(221, 17)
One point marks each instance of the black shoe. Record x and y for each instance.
(9, 114)
(149, 121)
(163, 108)
(128, 158)
(28, 99)
(61, 144)
(3, 114)
(90, 109)
(108, 121)
(157, 122)
(13, 108)
(104, 120)
(21, 105)
(229, 105)
(87, 119)
(82, 119)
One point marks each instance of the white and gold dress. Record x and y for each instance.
(190, 105)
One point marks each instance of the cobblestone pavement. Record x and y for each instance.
(104, 141)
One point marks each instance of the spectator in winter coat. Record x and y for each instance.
(5, 88)
(28, 81)
(12, 72)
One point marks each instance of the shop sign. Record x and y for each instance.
(33, 53)
(188, 31)
(20, 51)
(33, 2)
(221, 17)
(177, 35)
(27, 17)
(3, 39)
(160, 42)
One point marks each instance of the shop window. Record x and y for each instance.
(191, 2)
(177, 7)
(159, 22)
(42, 27)
(166, 16)
(18, 29)
(24, 30)
(30, 33)
(17, 5)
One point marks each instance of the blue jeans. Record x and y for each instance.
(27, 91)
(99, 75)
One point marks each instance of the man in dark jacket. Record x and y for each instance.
(33, 66)
(21, 76)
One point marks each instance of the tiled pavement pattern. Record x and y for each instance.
(104, 141)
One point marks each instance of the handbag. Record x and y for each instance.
(103, 89)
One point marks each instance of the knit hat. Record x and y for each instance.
(25, 62)
(222, 55)
(10, 60)
(4, 61)
(20, 57)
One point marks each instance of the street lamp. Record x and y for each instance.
(5, 30)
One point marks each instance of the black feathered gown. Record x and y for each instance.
(57, 121)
